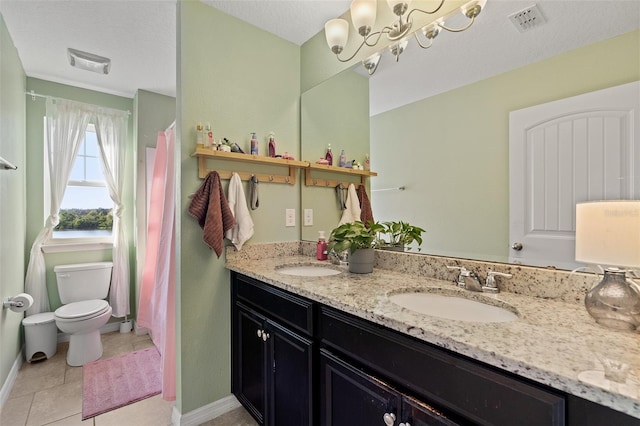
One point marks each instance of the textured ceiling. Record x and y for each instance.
(140, 38)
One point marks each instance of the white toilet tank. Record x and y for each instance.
(83, 281)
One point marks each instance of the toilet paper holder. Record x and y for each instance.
(18, 303)
(11, 303)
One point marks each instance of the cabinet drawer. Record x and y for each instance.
(288, 309)
(478, 393)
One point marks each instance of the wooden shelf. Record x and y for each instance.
(204, 154)
(311, 181)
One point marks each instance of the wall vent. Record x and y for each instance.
(527, 18)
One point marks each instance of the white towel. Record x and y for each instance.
(243, 230)
(352, 212)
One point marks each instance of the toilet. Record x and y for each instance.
(82, 288)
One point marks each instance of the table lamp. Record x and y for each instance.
(608, 234)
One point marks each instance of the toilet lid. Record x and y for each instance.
(82, 309)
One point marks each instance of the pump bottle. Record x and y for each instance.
(321, 247)
(254, 144)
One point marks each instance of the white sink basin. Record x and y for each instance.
(452, 307)
(308, 271)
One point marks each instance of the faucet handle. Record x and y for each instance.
(464, 272)
(491, 286)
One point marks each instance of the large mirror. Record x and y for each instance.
(335, 113)
(449, 151)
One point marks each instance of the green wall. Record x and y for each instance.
(35, 180)
(240, 79)
(452, 150)
(12, 197)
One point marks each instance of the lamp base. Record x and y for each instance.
(614, 303)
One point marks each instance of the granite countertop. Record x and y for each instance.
(554, 343)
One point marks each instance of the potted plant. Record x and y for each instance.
(400, 235)
(360, 240)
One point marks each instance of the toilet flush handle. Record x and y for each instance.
(63, 275)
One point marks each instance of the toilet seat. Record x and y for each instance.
(79, 311)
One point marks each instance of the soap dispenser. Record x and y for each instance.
(272, 145)
(321, 247)
(329, 155)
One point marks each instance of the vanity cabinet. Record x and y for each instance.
(352, 397)
(297, 362)
(272, 353)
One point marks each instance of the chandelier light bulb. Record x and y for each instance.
(473, 8)
(363, 15)
(336, 32)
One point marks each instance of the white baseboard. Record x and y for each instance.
(205, 413)
(5, 391)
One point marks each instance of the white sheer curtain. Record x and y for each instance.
(111, 130)
(65, 128)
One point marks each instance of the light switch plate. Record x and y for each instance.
(308, 217)
(290, 217)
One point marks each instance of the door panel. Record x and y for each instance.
(351, 397)
(292, 385)
(249, 365)
(573, 150)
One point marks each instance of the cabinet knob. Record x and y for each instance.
(404, 424)
(265, 336)
(259, 333)
(517, 246)
(389, 419)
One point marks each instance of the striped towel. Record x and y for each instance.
(210, 208)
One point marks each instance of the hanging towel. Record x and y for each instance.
(366, 213)
(352, 211)
(243, 229)
(210, 208)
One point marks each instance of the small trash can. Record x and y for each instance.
(40, 336)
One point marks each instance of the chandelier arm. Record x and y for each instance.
(459, 30)
(420, 43)
(364, 42)
(427, 12)
(378, 33)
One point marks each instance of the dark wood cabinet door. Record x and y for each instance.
(249, 362)
(417, 413)
(349, 397)
(291, 379)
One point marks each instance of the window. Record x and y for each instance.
(86, 209)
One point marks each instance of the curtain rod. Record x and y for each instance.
(35, 95)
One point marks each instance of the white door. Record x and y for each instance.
(564, 152)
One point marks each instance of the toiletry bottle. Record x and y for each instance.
(343, 159)
(254, 144)
(199, 136)
(209, 140)
(272, 145)
(329, 155)
(367, 163)
(321, 247)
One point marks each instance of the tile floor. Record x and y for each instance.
(50, 393)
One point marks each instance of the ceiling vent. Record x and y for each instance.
(527, 18)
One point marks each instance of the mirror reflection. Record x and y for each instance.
(450, 150)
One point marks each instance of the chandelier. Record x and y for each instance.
(363, 16)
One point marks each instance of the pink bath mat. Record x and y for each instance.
(121, 380)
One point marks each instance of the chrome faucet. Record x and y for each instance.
(341, 258)
(471, 281)
(491, 286)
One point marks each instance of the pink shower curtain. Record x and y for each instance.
(156, 309)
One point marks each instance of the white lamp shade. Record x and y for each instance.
(337, 32)
(363, 13)
(392, 3)
(608, 233)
